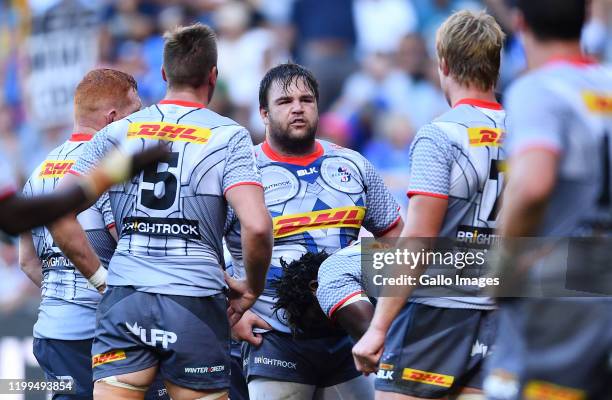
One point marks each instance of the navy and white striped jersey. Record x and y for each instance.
(68, 307)
(171, 217)
(457, 157)
(318, 202)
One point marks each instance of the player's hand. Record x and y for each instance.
(368, 350)
(241, 298)
(243, 330)
(102, 289)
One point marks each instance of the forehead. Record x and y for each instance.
(297, 86)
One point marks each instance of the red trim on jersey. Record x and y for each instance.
(183, 103)
(110, 226)
(299, 160)
(493, 105)
(344, 300)
(6, 193)
(80, 137)
(393, 225)
(73, 172)
(242, 183)
(578, 60)
(436, 195)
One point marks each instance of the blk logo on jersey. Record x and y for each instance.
(154, 335)
(343, 217)
(309, 171)
(178, 227)
(480, 137)
(168, 131)
(55, 168)
(385, 372)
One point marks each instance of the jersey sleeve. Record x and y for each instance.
(534, 118)
(382, 212)
(339, 281)
(28, 189)
(431, 159)
(240, 165)
(103, 206)
(93, 152)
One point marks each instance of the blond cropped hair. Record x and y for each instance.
(471, 44)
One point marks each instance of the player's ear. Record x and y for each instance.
(111, 116)
(313, 285)
(163, 73)
(212, 76)
(443, 66)
(263, 113)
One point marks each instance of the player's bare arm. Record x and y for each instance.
(256, 224)
(355, 318)
(424, 218)
(28, 259)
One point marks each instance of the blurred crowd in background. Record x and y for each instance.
(374, 59)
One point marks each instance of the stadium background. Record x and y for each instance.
(374, 60)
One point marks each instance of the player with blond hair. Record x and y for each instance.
(434, 347)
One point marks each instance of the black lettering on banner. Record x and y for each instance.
(175, 227)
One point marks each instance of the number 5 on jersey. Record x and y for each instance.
(159, 185)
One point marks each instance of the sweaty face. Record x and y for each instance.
(292, 116)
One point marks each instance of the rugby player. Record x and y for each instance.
(325, 292)
(560, 119)
(165, 308)
(64, 331)
(434, 346)
(319, 195)
(19, 213)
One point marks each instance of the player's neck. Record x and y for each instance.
(540, 53)
(86, 129)
(283, 151)
(188, 95)
(462, 93)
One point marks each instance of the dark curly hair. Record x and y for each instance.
(293, 292)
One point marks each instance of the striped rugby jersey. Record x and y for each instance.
(457, 157)
(318, 202)
(171, 217)
(68, 306)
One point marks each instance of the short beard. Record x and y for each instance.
(292, 145)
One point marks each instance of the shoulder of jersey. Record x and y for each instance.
(202, 116)
(334, 150)
(461, 114)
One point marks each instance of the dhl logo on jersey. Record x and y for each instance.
(55, 168)
(428, 378)
(342, 217)
(109, 357)
(598, 103)
(485, 136)
(168, 131)
(548, 391)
